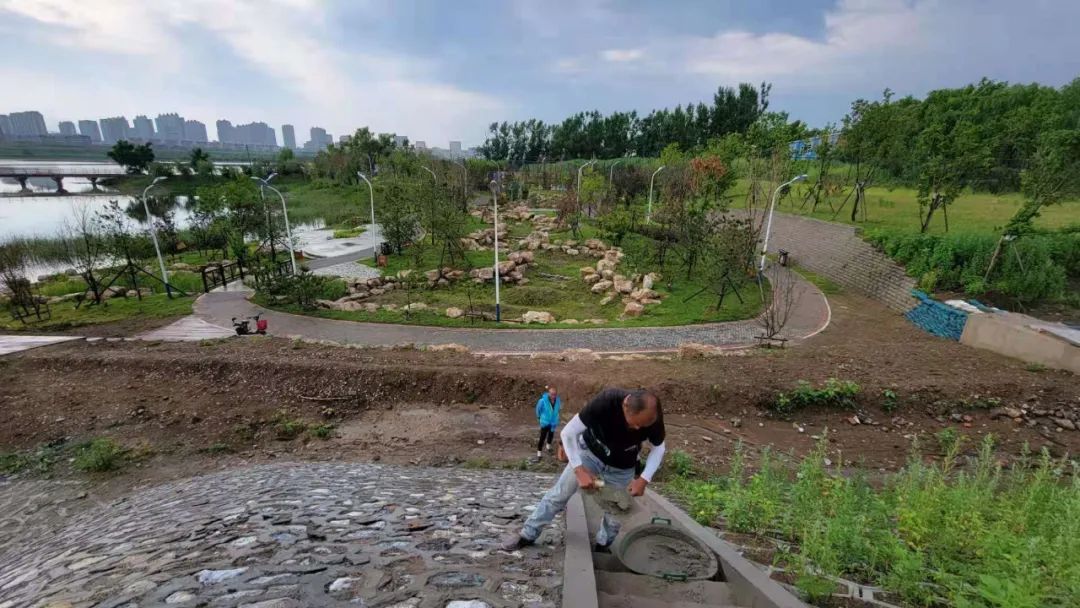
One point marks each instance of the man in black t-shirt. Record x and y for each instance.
(603, 441)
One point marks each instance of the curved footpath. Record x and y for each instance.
(809, 316)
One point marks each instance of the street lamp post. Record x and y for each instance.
(768, 224)
(465, 183)
(579, 169)
(285, 213)
(153, 235)
(648, 213)
(495, 200)
(611, 171)
(371, 197)
(433, 176)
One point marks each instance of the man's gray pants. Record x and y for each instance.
(556, 498)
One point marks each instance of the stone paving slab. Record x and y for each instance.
(187, 329)
(13, 344)
(292, 535)
(810, 315)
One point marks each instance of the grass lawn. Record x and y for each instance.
(898, 208)
(337, 206)
(65, 316)
(568, 298)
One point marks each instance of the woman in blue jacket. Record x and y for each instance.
(547, 414)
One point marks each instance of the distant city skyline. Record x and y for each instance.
(174, 128)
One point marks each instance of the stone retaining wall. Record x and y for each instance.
(836, 252)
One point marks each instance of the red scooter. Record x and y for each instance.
(243, 326)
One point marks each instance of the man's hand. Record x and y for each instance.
(637, 487)
(585, 479)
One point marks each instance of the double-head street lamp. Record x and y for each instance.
(285, 211)
(768, 223)
(153, 234)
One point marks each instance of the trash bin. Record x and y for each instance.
(783, 257)
(384, 248)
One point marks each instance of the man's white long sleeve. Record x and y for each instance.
(570, 434)
(652, 463)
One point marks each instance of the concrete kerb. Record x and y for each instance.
(579, 577)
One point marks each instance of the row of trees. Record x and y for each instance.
(620, 134)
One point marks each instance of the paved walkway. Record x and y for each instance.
(288, 536)
(13, 344)
(187, 329)
(810, 315)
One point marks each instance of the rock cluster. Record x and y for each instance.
(511, 270)
(635, 292)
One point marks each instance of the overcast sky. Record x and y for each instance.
(439, 70)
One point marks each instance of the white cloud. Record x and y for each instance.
(622, 55)
(283, 40)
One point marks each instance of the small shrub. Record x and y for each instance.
(835, 393)
(286, 428)
(218, 448)
(99, 455)
(1035, 367)
(321, 431)
(948, 439)
(681, 464)
(889, 403)
(348, 233)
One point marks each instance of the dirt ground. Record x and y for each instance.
(188, 408)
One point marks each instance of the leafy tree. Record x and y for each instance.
(135, 159)
(83, 247)
(397, 217)
(198, 155)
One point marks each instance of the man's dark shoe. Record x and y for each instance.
(598, 548)
(515, 542)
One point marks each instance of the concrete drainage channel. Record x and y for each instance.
(690, 566)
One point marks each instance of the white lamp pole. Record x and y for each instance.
(153, 235)
(285, 212)
(611, 171)
(648, 214)
(495, 200)
(371, 196)
(579, 169)
(465, 185)
(768, 223)
(433, 176)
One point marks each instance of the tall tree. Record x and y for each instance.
(135, 159)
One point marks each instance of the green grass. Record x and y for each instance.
(98, 456)
(348, 233)
(39, 461)
(65, 315)
(569, 299)
(337, 206)
(898, 208)
(826, 285)
(932, 534)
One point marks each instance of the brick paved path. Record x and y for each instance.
(286, 536)
(810, 315)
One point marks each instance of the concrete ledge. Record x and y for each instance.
(1010, 335)
(748, 586)
(579, 578)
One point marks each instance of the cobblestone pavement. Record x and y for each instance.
(286, 536)
(810, 315)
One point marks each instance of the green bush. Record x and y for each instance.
(1033, 268)
(305, 288)
(681, 464)
(834, 393)
(348, 233)
(99, 455)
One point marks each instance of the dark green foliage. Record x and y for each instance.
(99, 455)
(1032, 268)
(305, 289)
(834, 393)
(136, 159)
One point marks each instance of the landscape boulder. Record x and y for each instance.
(415, 306)
(644, 294)
(601, 286)
(454, 313)
(535, 316)
(593, 279)
(623, 286)
(587, 270)
(694, 350)
(633, 309)
(506, 267)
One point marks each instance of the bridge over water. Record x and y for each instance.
(23, 172)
